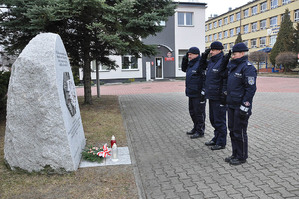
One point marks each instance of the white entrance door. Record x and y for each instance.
(159, 68)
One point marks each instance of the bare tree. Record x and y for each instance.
(287, 60)
(258, 56)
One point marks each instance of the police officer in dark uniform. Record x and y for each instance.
(194, 85)
(241, 87)
(215, 91)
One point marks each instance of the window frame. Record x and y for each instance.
(263, 44)
(254, 24)
(130, 62)
(262, 22)
(252, 41)
(254, 10)
(185, 19)
(246, 13)
(271, 21)
(273, 37)
(264, 6)
(231, 18)
(246, 29)
(231, 32)
(274, 6)
(296, 15)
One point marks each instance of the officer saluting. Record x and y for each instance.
(241, 87)
(194, 84)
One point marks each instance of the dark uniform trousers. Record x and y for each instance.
(217, 114)
(238, 133)
(197, 112)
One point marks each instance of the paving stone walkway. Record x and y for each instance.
(168, 164)
(171, 165)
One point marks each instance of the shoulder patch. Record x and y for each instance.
(251, 80)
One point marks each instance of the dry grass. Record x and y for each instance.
(100, 120)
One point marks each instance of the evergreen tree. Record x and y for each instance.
(90, 29)
(239, 39)
(295, 41)
(283, 41)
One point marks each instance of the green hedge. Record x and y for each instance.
(4, 80)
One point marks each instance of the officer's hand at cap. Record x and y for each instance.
(207, 51)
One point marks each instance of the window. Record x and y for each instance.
(254, 27)
(296, 16)
(253, 43)
(215, 24)
(206, 39)
(273, 40)
(210, 26)
(263, 24)
(264, 6)
(225, 34)
(182, 53)
(285, 2)
(238, 16)
(185, 18)
(263, 42)
(238, 30)
(225, 20)
(224, 46)
(215, 36)
(231, 18)
(246, 13)
(129, 62)
(206, 27)
(245, 42)
(246, 29)
(210, 38)
(220, 35)
(101, 67)
(254, 10)
(274, 4)
(273, 21)
(220, 22)
(231, 32)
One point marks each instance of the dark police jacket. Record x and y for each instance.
(215, 84)
(194, 79)
(241, 82)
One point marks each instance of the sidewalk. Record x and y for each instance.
(168, 164)
(264, 84)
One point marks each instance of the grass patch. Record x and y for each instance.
(100, 121)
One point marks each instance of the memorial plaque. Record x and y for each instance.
(44, 125)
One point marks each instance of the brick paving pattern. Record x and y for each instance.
(168, 164)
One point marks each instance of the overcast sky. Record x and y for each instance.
(221, 6)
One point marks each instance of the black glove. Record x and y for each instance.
(223, 65)
(205, 54)
(223, 98)
(185, 63)
(202, 97)
(244, 111)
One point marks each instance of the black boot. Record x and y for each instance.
(196, 135)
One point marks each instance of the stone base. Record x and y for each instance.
(123, 158)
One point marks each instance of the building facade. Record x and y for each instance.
(181, 31)
(258, 22)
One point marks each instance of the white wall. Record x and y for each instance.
(186, 37)
(118, 73)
